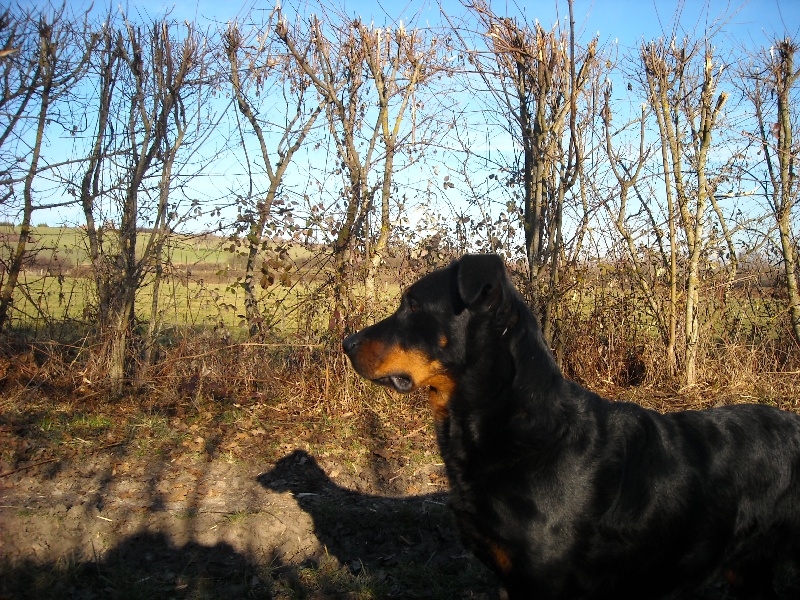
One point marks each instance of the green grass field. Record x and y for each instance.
(67, 246)
(202, 287)
(182, 302)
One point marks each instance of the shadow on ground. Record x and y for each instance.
(142, 566)
(408, 545)
(362, 546)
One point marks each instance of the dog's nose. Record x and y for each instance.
(350, 342)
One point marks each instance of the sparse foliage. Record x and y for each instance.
(538, 78)
(45, 58)
(151, 96)
(368, 79)
(259, 71)
(770, 83)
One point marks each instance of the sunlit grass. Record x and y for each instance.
(183, 302)
(201, 287)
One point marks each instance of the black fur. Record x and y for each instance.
(568, 495)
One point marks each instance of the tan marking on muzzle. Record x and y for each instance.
(376, 360)
(501, 557)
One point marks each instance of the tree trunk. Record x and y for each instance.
(790, 272)
(18, 256)
(118, 344)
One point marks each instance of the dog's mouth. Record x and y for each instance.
(401, 383)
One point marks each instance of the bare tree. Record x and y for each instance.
(258, 72)
(537, 79)
(335, 66)
(107, 63)
(681, 80)
(627, 172)
(400, 61)
(46, 55)
(366, 129)
(770, 84)
(149, 83)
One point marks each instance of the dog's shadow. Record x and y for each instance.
(408, 543)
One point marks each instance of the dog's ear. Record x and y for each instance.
(479, 277)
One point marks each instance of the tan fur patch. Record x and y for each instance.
(377, 360)
(733, 577)
(442, 387)
(501, 557)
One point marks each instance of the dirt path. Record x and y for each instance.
(111, 524)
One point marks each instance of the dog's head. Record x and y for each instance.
(427, 341)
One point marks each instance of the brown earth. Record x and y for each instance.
(185, 527)
(114, 500)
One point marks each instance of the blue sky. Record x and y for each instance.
(628, 22)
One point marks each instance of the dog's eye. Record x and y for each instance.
(413, 305)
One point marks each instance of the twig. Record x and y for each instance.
(415, 432)
(30, 466)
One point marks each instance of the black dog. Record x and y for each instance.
(567, 495)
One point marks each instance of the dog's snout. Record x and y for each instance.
(350, 342)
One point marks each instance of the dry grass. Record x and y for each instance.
(214, 401)
(306, 390)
